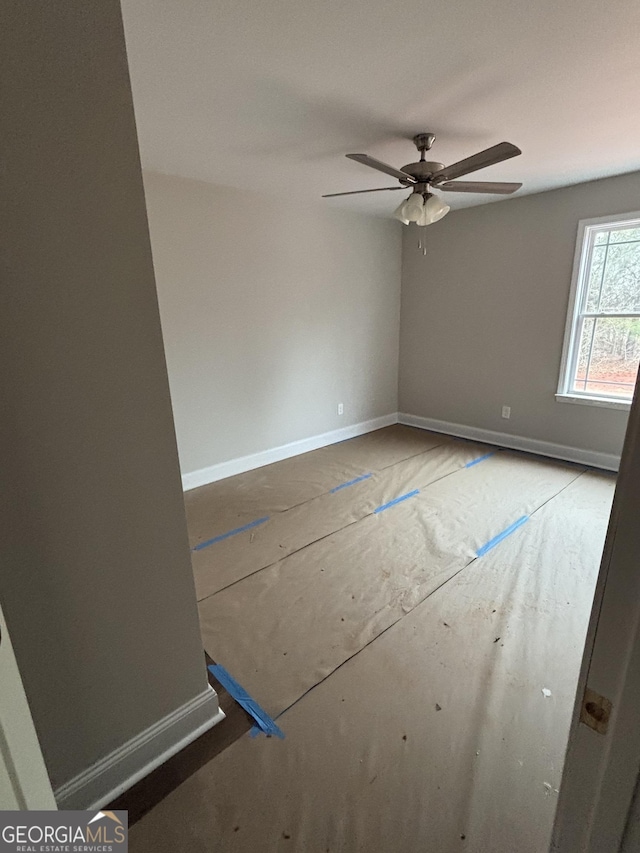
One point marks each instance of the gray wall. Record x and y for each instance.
(483, 315)
(273, 312)
(96, 582)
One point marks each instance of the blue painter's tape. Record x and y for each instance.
(237, 530)
(497, 539)
(264, 721)
(479, 459)
(351, 482)
(254, 731)
(398, 500)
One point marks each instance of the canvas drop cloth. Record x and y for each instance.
(436, 737)
(287, 627)
(219, 507)
(229, 560)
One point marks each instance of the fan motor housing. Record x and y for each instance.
(423, 170)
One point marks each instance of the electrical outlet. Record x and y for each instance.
(506, 412)
(340, 409)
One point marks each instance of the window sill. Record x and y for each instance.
(593, 401)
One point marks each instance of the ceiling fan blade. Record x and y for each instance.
(499, 187)
(381, 167)
(495, 154)
(356, 192)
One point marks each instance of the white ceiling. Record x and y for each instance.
(270, 94)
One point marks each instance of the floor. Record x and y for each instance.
(411, 608)
(158, 784)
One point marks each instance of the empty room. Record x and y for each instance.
(330, 431)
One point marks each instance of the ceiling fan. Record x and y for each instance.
(422, 206)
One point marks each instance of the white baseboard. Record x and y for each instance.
(256, 460)
(117, 772)
(608, 461)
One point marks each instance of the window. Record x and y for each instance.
(602, 338)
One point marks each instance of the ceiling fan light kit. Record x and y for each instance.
(399, 212)
(434, 210)
(412, 208)
(422, 206)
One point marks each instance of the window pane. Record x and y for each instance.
(583, 355)
(622, 235)
(621, 282)
(595, 278)
(608, 357)
(601, 238)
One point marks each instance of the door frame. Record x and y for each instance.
(24, 781)
(601, 770)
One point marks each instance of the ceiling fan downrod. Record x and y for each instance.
(423, 142)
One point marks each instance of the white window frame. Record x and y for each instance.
(587, 231)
